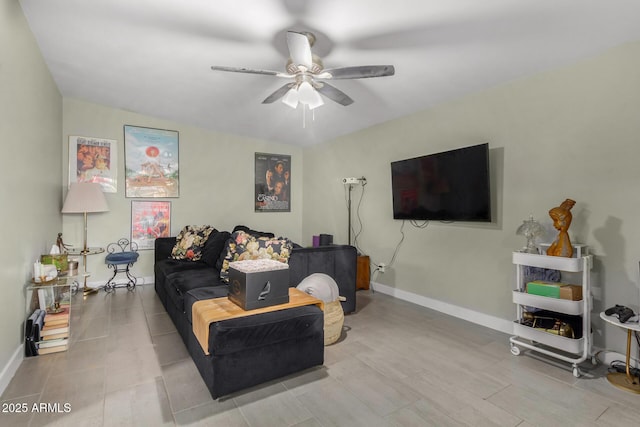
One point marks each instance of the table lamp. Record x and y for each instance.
(531, 230)
(84, 198)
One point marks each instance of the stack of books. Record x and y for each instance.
(54, 335)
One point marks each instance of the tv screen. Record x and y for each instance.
(448, 186)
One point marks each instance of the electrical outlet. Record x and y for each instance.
(381, 268)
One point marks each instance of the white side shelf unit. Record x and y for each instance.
(569, 350)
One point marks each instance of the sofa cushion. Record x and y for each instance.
(214, 246)
(190, 242)
(243, 246)
(200, 294)
(338, 261)
(179, 283)
(169, 266)
(258, 331)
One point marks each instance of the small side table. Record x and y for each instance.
(44, 296)
(362, 272)
(625, 381)
(84, 253)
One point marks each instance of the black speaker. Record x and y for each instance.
(326, 239)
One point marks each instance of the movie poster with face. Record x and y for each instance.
(272, 183)
(94, 160)
(151, 162)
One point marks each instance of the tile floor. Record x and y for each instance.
(397, 364)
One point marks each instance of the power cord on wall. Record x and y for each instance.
(380, 267)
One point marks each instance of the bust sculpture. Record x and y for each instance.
(561, 216)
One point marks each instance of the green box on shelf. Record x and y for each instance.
(61, 261)
(543, 289)
(555, 290)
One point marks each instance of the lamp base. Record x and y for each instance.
(90, 291)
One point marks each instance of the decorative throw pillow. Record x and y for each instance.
(215, 246)
(254, 233)
(243, 246)
(190, 242)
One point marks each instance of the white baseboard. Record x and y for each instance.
(11, 368)
(492, 322)
(483, 319)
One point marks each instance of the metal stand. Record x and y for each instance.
(130, 285)
(349, 213)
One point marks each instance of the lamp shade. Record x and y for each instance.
(291, 98)
(85, 197)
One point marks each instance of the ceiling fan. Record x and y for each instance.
(309, 76)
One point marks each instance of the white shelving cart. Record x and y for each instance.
(574, 351)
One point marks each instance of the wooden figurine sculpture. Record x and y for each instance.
(561, 216)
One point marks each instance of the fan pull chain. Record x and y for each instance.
(304, 116)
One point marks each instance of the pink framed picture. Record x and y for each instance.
(149, 220)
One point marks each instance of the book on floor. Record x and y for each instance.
(61, 318)
(54, 349)
(52, 343)
(54, 336)
(53, 330)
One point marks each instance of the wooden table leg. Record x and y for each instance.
(625, 380)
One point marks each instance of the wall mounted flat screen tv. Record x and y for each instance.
(448, 186)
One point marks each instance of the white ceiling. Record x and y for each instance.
(153, 56)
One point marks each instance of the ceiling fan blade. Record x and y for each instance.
(358, 72)
(250, 71)
(299, 49)
(277, 94)
(334, 94)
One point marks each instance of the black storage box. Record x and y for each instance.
(258, 283)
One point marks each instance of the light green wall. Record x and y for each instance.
(568, 133)
(216, 183)
(571, 133)
(30, 191)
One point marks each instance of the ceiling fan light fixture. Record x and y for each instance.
(309, 96)
(317, 100)
(305, 93)
(307, 72)
(291, 98)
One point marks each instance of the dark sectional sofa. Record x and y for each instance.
(251, 350)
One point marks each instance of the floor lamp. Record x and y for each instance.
(84, 198)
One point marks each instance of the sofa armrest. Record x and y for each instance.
(163, 247)
(337, 261)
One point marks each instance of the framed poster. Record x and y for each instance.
(151, 162)
(272, 183)
(149, 219)
(94, 160)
